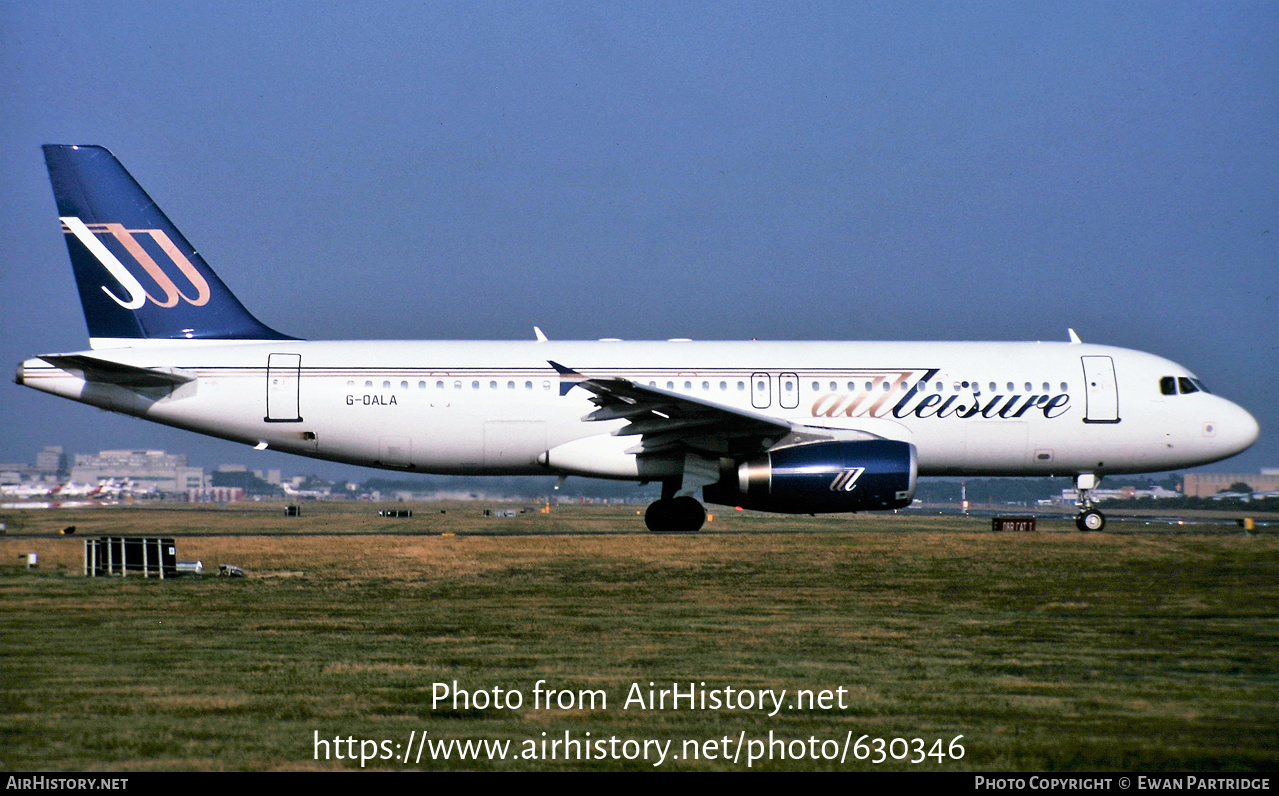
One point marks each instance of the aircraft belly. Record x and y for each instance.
(513, 443)
(940, 449)
(995, 444)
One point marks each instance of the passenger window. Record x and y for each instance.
(688, 385)
(1047, 387)
(350, 384)
(368, 385)
(439, 385)
(993, 387)
(546, 385)
(706, 385)
(1065, 387)
(386, 385)
(670, 385)
(421, 385)
(1011, 387)
(741, 385)
(457, 385)
(1187, 386)
(404, 385)
(723, 385)
(1029, 387)
(528, 385)
(510, 385)
(817, 386)
(492, 385)
(475, 385)
(1168, 385)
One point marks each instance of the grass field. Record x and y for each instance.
(1141, 649)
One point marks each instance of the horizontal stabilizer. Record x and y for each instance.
(101, 370)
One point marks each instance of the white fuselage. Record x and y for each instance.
(496, 407)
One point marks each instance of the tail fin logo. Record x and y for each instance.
(131, 241)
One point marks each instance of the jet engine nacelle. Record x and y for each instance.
(823, 477)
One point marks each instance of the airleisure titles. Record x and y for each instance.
(689, 695)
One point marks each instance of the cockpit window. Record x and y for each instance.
(1168, 385)
(1201, 386)
(1187, 386)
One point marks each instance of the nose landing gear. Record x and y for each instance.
(1089, 518)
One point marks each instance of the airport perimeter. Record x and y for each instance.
(576, 640)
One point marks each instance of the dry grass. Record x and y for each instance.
(1054, 650)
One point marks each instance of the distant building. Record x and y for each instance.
(1071, 496)
(52, 461)
(239, 477)
(216, 494)
(146, 469)
(15, 472)
(1209, 484)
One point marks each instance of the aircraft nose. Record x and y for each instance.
(1240, 430)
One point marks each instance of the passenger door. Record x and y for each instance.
(1101, 390)
(283, 388)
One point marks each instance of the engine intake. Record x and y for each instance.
(823, 477)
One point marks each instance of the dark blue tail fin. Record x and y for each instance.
(138, 277)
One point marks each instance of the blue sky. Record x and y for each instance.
(995, 171)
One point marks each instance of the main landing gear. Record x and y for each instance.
(1089, 518)
(674, 514)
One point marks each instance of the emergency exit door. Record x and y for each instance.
(761, 390)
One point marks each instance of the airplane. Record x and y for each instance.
(112, 488)
(793, 427)
(24, 490)
(72, 489)
(293, 491)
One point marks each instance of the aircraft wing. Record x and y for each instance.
(103, 370)
(670, 422)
